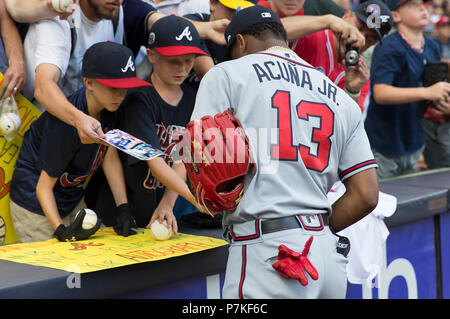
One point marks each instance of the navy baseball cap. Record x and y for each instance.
(173, 35)
(111, 64)
(243, 20)
(394, 4)
(376, 14)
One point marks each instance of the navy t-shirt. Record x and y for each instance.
(396, 130)
(55, 147)
(134, 14)
(145, 115)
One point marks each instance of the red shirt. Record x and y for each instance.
(264, 3)
(318, 50)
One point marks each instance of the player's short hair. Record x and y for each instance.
(260, 30)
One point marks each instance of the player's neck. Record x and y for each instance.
(270, 44)
(171, 94)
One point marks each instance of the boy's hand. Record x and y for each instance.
(89, 129)
(164, 212)
(439, 91)
(75, 231)
(356, 76)
(125, 221)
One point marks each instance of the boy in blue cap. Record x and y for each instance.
(47, 186)
(152, 114)
(398, 101)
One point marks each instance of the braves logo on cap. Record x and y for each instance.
(130, 65)
(151, 38)
(186, 33)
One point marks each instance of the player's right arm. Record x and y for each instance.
(51, 97)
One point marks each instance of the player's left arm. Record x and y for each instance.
(300, 26)
(359, 199)
(357, 169)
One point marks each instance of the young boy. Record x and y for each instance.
(398, 101)
(47, 187)
(152, 114)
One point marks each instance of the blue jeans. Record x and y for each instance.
(395, 166)
(437, 143)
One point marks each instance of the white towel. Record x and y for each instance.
(367, 237)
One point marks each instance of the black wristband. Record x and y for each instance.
(123, 207)
(60, 230)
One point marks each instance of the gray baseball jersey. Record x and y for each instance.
(304, 131)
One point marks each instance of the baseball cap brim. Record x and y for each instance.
(179, 50)
(234, 4)
(126, 83)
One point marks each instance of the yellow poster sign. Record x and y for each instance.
(9, 151)
(105, 250)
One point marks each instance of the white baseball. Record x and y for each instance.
(90, 219)
(160, 231)
(63, 6)
(9, 123)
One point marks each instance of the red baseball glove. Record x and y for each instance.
(217, 158)
(293, 265)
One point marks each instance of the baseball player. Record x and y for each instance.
(305, 133)
(153, 114)
(47, 186)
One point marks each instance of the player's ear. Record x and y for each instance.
(241, 42)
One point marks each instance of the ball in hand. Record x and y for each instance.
(160, 231)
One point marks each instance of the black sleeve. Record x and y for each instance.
(135, 14)
(60, 142)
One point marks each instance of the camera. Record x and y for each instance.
(351, 55)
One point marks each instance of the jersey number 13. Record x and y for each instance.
(285, 150)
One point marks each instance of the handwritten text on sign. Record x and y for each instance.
(106, 250)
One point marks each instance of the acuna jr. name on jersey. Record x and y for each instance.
(289, 72)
